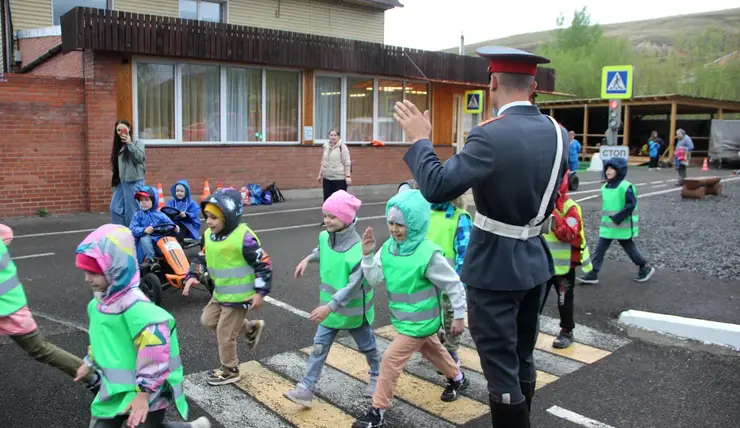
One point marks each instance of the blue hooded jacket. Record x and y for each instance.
(190, 225)
(143, 219)
(620, 164)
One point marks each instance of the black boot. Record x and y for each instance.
(509, 415)
(528, 391)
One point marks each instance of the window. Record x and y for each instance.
(204, 10)
(155, 93)
(204, 103)
(362, 108)
(60, 7)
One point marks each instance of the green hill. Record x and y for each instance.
(659, 33)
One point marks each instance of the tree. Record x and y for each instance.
(580, 34)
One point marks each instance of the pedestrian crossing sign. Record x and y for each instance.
(616, 82)
(473, 102)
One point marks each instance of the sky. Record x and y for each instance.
(436, 24)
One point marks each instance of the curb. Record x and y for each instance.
(709, 332)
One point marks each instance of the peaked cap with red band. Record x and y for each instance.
(509, 60)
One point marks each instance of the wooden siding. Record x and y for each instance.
(28, 14)
(153, 7)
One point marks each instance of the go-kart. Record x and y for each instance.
(174, 215)
(173, 266)
(573, 181)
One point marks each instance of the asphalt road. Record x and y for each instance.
(638, 385)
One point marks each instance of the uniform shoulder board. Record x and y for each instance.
(486, 122)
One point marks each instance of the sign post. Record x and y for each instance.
(616, 85)
(608, 152)
(474, 102)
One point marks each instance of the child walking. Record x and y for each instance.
(189, 219)
(16, 320)
(414, 271)
(241, 272)
(346, 298)
(619, 221)
(567, 244)
(142, 225)
(133, 342)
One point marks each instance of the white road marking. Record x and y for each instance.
(297, 210)
(63, 232)
(287, 307)
(576, 418)
(314, 224)
(587, 198)
(657, 182)
(71, 324)
(659, 185)
(32, 256)
(584, 334)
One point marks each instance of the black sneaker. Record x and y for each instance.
(372, 419)
(590, 278)
(645, 273)
(255, 334)
(454, 387)
(223, 376)
(153, 265)
(94, 385)
(564, 340)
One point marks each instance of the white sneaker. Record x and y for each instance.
(201, 422)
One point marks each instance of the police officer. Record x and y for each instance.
(514, 163)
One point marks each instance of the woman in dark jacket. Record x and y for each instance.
(128, 162)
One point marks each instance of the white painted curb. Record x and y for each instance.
(710, 332)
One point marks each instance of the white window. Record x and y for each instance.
(206, 103)
(203, 10)
(60, 7)
(361, 108)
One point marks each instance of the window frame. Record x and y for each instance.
(343, 104)
(177, 141)
(108, 6)
(224, 13)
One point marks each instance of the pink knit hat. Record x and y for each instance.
(6, 234)
(343, 206)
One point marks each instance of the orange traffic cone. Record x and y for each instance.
(705, 167)
(160, 196)
(206, 191)
(219, 185)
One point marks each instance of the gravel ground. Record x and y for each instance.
(701, 236)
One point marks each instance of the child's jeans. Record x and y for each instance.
(229, 322)
(399, 353)
(452, 343)
(153, 420)
(627, 244)
(322, 341)
(146, 243)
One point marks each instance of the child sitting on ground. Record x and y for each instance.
(189, 211)
(143, 223)
(241, 272)
(133, 342)
(346, 298)
(415, 271)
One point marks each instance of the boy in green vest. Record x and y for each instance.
(346, 298)
(415, 272)
(16, 320)
(567, 243)
(241, 272)
(133, 342)
(619, 219)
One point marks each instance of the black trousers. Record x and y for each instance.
(563, 286)
(504, 326)
(331, 186)
(654, 162)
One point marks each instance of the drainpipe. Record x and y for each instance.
(462, 44)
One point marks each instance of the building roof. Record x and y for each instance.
(655, 102)
(377, 4)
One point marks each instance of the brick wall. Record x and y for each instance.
(42, 145)
(61, 65)
(34, 47)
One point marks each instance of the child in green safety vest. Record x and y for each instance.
(619, 221)
(415, 271)
(567, 244)
(346, 298)
(16, 320)
(133, 342)
(241, 271)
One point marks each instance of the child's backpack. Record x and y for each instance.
(267, 197)
(277, 196)
(255, 194)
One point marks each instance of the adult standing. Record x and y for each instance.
(514, 176)
(336, 166)
(685, 142)
(128, 162)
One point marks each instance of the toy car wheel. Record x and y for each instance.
(573, 182)
(152, 287)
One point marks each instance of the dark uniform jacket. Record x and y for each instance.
(507, 162)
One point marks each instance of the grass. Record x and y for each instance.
(657, 32)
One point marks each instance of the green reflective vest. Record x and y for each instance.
(114, 353)
(232, 276)
(613, 202)
(12, 296)
(442, 232)
(562, 251)
(412, 298)
(335, 269)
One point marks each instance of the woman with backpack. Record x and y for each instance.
(336, 167)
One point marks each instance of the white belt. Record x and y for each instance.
(507, 230)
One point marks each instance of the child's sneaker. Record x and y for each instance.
(301, 396)
(370, 388)
(201, 422)
(255, 334)
(372, 419)
(224, 376)
(564, 340)
(590, 278)
(645, 273)
(454, 387)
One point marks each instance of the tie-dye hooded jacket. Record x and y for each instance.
(112, 246)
